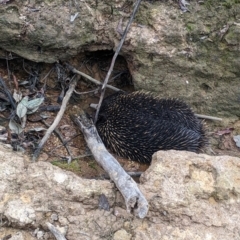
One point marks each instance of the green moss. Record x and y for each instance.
(93, 165)
(208, 4)
(190, 27)
(233, 35)
(230, 3)
(73, 166)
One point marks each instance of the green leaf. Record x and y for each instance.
(15, 127)
(22, 107)
(33, 105)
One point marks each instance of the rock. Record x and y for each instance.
(191, 196)
(194, 54)
(19, 212)
(17, 236)
(197, 193)
(121, 235)
(14, 234)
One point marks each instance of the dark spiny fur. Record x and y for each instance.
(136, 125)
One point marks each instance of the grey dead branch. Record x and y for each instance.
(57, 119)
(134, 199)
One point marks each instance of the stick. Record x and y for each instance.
(59, 135)
(74, 70)
(134, 199)
(82, 93)
(114, 58)
(7, 93)
(57, 234)
(94, 106)
(57, 119)
(208, 117)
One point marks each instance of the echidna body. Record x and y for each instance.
(136, 125)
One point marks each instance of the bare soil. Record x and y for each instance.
(95, 65)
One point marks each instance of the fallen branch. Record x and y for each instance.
(94, 106)
(137, 4)
(57, 119)
(74, 70)
(134, 199)
(208, 117)
(87, 92)
(59, 135)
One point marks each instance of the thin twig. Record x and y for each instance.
(87, 92)
(26, 69)
(59, 135)
(7, 93)
(67, 141)
(115, 57)
(94, 106)
(9, 73)
(45, 78)
(74, 70)
(208, 117)
(83, 156)
(58, 117)
(116, 76)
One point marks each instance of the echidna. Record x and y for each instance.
(135, 125)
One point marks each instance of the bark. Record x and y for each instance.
(134, 199)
